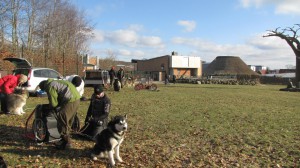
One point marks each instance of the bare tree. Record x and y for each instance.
(290, 35)
(52, 32)
(15, 9)
(33, 9)
(4, 9)
(108, 61)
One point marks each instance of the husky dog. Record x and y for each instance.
(109, 140)
(117, 84)
(16, 102)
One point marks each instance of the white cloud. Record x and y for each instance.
(126, 54)
(289, 7)
(138, 53)
(281, 6)
(152, 41)
(123, 37)
(98, 36)
(271, 52)
(267, 43)
(189, 25)
(128, 37)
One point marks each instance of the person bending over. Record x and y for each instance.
(64, 99)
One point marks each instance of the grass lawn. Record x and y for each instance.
(181, 125)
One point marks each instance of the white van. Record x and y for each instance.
(35, 75)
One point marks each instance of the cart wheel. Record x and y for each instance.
(39, 130)
(76, 124)
(153, 87)
(138, 86)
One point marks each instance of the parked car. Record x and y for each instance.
(35, 75)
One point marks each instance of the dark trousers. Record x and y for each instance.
(66, 116)
(112, 79)
(3, 97)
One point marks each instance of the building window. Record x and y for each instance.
(162, 66)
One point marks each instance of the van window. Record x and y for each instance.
(37, 73)
(21, 71)
(53, 74)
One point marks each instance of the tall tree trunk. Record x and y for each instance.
(1, 38)
(298, 71)
(14, 20)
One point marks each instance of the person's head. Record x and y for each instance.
(23, 79)
(98, 90)
(76, 81)
(42, 85)
(112, 67)
(121, 68)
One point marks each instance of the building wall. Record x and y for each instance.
(178, 72)
(185, 66)
(159, 66)
(154, 64)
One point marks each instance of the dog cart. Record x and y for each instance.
(44, 125)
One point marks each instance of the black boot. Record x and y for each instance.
(63, 143)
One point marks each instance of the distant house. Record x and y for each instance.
(287, 71)
(93, 63)
(258, 68)
(282, 73)
(90, 63)
(180, 66)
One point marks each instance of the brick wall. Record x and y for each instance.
(154, 64)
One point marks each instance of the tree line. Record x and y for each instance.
(47, 33)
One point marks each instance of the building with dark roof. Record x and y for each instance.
(228, 66)
(180, 66)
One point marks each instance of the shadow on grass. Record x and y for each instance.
(13, 141)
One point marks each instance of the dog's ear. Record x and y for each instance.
(125, 116)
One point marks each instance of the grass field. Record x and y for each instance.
(181, 125)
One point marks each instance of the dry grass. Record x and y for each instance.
(181, 125)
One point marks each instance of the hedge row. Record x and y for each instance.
(220, 81)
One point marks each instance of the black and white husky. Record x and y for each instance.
(117, 84)
(109, 140)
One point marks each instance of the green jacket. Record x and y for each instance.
(61, 92)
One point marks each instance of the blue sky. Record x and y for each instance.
(143, 29)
